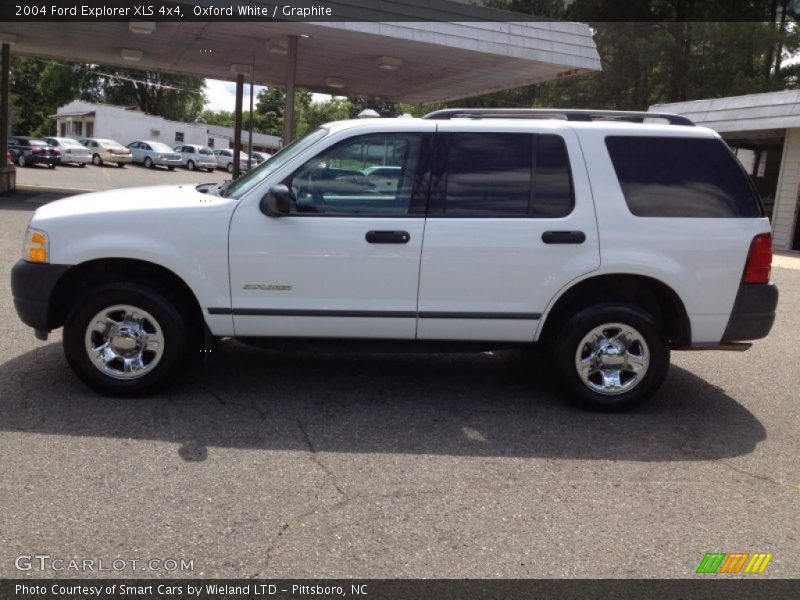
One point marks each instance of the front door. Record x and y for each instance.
(345, 262)
(511, 222)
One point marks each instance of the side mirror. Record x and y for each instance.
(276, 203)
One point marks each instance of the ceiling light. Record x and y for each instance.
(335, 82)
(278, 46)
(389, 63)
(8, 38)
(142, 27)
(131, 55)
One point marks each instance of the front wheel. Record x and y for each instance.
(96, 160)
(612, 357)
(22, 161)
(190, 165)
(148, 162)
(126, 339)
(230, 167)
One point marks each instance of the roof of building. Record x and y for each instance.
(398, 59)
(753, 112)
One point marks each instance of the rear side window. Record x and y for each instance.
(681, 177)
(502, 175)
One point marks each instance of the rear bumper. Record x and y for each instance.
(753, 313)
(36, 159)
(118, 158)
(77, 159)
(32, 286)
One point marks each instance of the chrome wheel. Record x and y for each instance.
(612, 358)
(124, 342)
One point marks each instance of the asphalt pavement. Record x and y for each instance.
(303, 464)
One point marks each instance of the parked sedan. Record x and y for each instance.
(153, 154)
(104, 150)
(195, 156)
(71, 150)
(260, 157)
(27, 150)
(225, 160)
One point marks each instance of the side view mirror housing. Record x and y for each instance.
(276, 202)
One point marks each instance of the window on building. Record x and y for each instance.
(178, 136)
(76, 128)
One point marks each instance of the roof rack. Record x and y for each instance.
(551, 113)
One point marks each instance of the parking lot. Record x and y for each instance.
(268, 464)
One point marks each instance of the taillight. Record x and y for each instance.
(759, 260)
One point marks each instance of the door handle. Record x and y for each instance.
(388, 237)
(563, 237)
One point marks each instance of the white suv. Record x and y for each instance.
(606, 241)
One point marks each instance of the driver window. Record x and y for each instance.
(365, 175)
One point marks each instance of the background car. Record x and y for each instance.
(26, 150)
(260, 157)
(152, 154)
(71, 150)
(225, 160)
(105, 150)
(385, 178)
(195, 156)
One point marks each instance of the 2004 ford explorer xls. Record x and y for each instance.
(604, 237)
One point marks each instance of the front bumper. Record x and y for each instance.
(753, 312)
(46, 159)
(118, 158)
(32, 286)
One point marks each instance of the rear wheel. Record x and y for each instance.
(230, 167)
(126, 339)
(171, 168)
(121, 165)
(612, 357)
(81, 165)
(22, 161)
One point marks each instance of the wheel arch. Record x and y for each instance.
(655, 296)
(78, 278)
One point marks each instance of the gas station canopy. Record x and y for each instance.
(415, 61)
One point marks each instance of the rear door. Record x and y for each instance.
(511, 221)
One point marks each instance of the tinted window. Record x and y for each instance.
(487, 173)
(335, 181)
(502, 174)
(552, 183)
(681, 177)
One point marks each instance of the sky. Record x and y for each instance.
(222, 95)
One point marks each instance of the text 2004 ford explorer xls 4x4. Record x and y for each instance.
(608, 241)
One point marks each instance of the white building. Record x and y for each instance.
(764, 131)
(80, 119)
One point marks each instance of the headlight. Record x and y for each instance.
(36, 246)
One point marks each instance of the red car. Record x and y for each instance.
(27, 150)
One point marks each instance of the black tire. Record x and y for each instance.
(51, 166)
(171, 168)
(81, 165)
(211, 170)
(570, 337)
(190, 165)
(229, 168)
(22, 161)
(121, 165)
(148, 163)
(97, 161)
(173, 323)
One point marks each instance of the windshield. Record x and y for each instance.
(247, 182)
(159, 147)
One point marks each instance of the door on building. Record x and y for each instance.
(796, 241)
(90, 129)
